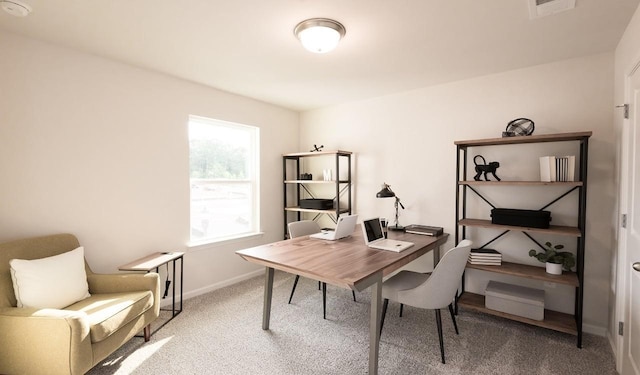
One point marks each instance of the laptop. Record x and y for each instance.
(374, 237)
(345, 226)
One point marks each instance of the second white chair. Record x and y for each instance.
(433, 291)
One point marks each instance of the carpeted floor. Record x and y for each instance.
(220, 333)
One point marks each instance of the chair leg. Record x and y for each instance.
(295, 282)
(385, 304)
(324, 300)
(147, 332)
(401, 307)
(319, 283)
(439, 323)
(354, 295)
(453, 317)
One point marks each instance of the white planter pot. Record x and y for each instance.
(554, 268)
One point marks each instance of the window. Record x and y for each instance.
(223, 174)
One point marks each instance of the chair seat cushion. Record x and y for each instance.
(403, 280)
(108, 312)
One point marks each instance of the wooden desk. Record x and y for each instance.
(347, 263)
(154, 261)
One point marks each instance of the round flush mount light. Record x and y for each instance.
(319, 35)
(15, 7)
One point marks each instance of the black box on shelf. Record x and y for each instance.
(316, 204)
(521, 218)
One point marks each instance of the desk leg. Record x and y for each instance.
(436, 255)
(374, 325)
(268, 292)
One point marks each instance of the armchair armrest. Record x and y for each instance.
(126, 282)
(58, 338)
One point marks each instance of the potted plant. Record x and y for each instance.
(554, 259)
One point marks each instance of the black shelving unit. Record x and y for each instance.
(295, 189)
(554, 320)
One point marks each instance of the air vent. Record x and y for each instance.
(543, 8)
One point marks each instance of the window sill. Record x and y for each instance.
(208, 244)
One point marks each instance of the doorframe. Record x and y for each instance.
(622, 270)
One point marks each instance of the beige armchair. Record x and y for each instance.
(74, 339)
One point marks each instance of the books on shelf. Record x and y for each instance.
(557, 168)
(489, 257)
(424, 230)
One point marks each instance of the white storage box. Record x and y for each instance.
(514, 299)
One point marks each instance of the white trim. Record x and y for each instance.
(216, 286)
(595, 330)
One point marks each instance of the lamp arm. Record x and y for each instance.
(399, 203)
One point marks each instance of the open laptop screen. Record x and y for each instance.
(373, 229)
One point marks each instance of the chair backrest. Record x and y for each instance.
(439, 290)
(303, 228)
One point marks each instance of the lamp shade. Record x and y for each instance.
(319, 35)
(386, 192)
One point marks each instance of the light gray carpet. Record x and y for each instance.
(220, 333)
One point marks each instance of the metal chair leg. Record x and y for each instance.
(354, 295)
(439, 323)
(295, 282)
(324, 300)
(401, 307)
(453, 317)
(385, 304)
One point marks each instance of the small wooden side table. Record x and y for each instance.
(154, 261)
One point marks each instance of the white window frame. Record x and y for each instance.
(253, 180)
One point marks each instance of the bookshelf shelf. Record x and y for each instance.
(554, 320)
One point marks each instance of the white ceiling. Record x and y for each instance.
(247, 47)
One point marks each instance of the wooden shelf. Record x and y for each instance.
(521, 183)
(554, 320)
(318, 153)
(298, 209)
(577, 136)
(315, 182)
(553, 229)
(530, 272)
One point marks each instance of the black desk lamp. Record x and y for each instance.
(386, 192)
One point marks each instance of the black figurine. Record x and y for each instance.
(485, 168)
(316, 148)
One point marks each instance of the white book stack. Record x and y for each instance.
(487, 257)
(557, 168)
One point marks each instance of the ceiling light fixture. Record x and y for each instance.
(15, 7)
(319, 35)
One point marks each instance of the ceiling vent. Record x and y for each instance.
(543, 8)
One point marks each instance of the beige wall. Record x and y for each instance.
(99, 149)
(407, 141)
(627, 57)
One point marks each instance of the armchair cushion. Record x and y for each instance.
(106, 313)
(53, 282)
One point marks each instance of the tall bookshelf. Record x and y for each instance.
(296, 189)
(568, 323)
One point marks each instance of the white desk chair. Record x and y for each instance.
(305, 228)
(433, 291)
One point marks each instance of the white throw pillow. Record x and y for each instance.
(54, 282)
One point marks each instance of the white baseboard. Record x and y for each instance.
(167, 301)
(594, 330)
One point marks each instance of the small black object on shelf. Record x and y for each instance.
(519, 127)
(485, 168)
(306, 176)
(316, 148)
